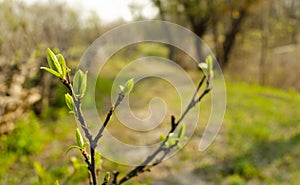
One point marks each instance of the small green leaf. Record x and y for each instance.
(80, 83)
(52, 71)
(162, 137)
(107, 177)
(72, 148)
(69, 102)
(128, 87)
(209, 63)
(53, 62)
(56, 182)
(207, 67)
(79, 139)
(181, 132)
(63, 65)
(50, 61)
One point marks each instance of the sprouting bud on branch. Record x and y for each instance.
(80, 143)
(57, 65)
(80, 83)
(207, 67)
(70, 103)
(79, 139)
(127, 88)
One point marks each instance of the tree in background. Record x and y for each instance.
(222, 18)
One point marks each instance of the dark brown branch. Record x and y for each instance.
(115, 177)
(173, 124)
(92, 166)
(99, 135)
(141, 167)
(108, 116)
(192, 102)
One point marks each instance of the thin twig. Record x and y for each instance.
(174, 124)
(108, 116)
(115, 177)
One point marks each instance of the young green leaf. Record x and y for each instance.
(50, 61)
(53, 62)
(69, 102)
(52, 71)
(72, 148)
(128, 87)
(209, 63)
(79, 139)
(162, 137)
(56, 182)
(80, 83)
(181, 132)
(207, 67)
(107, 177)
(63, 65)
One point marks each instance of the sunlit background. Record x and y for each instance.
(256, 43)
(110, 10)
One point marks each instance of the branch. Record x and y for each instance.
(162, 148)
(77, 103)
(90, 160)
(108, 116)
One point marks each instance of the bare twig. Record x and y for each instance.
(145, 165)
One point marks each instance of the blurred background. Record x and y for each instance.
(255, 41)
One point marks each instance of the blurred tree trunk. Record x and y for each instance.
(230, 36)
(203, 15)
(162, 14)
(198, 24)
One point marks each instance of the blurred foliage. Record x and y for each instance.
(27, 139)
(260, 132)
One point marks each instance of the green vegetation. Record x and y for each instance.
(258, 143)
